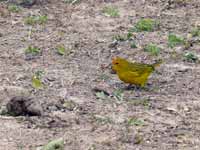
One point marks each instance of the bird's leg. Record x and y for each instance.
(145, 88)
(139, 87)
(136, 87)
(130, 87)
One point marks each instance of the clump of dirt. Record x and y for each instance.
(24, 106)
(28, 3)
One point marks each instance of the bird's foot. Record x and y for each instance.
(129, 87)
(136, 87)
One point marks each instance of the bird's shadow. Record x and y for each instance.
(147, 87)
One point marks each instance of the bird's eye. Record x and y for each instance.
(117, 63)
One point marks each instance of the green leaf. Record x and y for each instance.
(135, 121)
(174, 40)
(103, 119)
(146, 24)
(36, 83)
(120, 37)
(32, 50)
(196, 32)
(39, 74)
(71, 1)
(118, 94)
(144, 102)
(111, 11)
(133, 45)
(14, 8)
(190, 57)
(57, 144)
(61, 50)
(152, 49)
(101, 95)
(33, 20)
(129, 35)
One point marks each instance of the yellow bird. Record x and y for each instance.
(133, 73)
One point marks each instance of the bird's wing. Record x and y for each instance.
(133, 73)
(139, 68)
(136, 70)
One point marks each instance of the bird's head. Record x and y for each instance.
(118, 63)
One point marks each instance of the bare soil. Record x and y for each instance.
(167, 109)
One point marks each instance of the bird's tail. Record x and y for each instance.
(157, 63)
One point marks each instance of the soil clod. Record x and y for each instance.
(23, 106)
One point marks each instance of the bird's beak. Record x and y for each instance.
(114, 60)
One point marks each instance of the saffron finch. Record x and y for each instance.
(133, 73)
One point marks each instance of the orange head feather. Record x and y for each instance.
(119, 63)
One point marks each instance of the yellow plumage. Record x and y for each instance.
(133, 73)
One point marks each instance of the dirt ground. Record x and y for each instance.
(166, 113)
